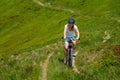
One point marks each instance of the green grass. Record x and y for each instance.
(95, 7)
(25, 26)
(25, 65)
(100, 62)
(29, 26)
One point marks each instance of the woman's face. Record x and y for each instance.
(71, 24)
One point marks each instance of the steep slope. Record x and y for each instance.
(88, 7)
(26, 27)
(23, 26)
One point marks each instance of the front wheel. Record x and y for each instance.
(70, 58)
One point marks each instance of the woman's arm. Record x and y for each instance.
(78, 33)
(65, 33)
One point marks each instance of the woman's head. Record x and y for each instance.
(71, 22)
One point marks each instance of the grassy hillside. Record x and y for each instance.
(94, 7)
(25, 26)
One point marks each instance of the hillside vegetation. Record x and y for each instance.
(26, 28)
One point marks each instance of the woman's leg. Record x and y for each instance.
(65, 52)
(66, 49)
(74, 47)
(74, 44)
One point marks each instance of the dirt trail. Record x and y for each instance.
(45, 67)
(50, 6)
(78, 71)
(75, 67)
(38, 2)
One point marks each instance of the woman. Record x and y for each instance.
(70, 31)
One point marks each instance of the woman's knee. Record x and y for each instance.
(65, 49)
(66, 46)
(74, 43)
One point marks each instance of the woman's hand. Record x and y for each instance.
(77, 38)
(64, 37)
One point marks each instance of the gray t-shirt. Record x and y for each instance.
(70, 33)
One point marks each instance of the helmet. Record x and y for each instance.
(71, 20)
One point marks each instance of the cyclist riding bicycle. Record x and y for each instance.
(70, 31)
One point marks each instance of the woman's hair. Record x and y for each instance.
(73, 27)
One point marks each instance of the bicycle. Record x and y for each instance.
(70, 56)
(70, 53)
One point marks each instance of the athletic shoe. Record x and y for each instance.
(74, 54)
(65, 61)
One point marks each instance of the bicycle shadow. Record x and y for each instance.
(60, 60)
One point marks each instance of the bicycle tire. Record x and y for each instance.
(70, 58)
